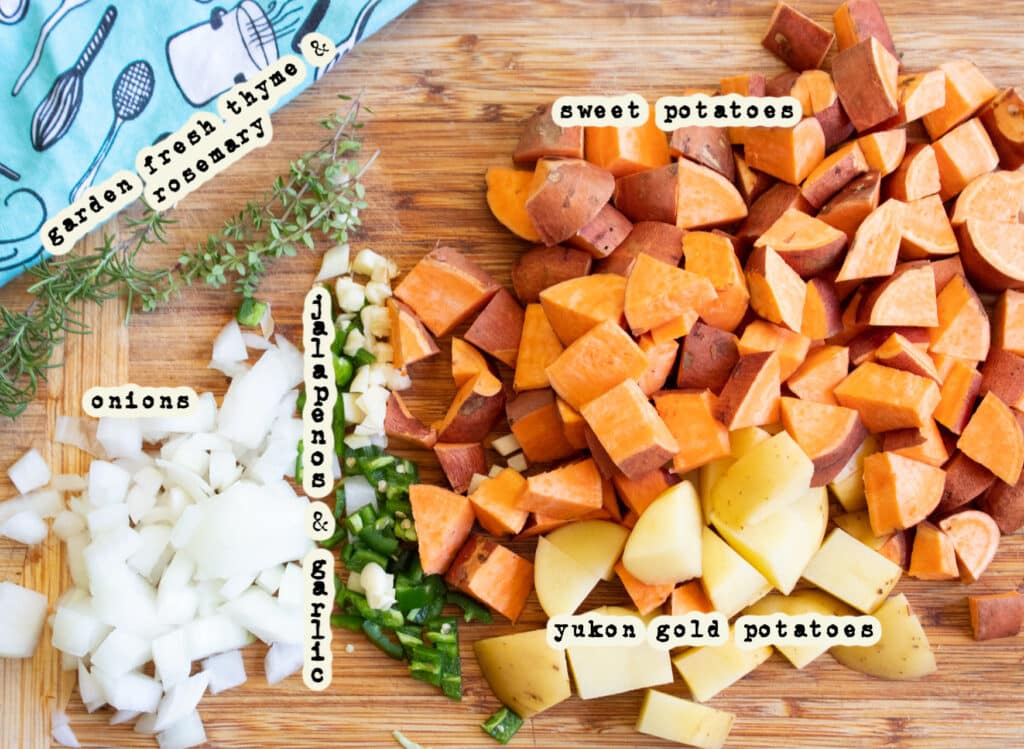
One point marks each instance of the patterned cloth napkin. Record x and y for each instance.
(84, 84)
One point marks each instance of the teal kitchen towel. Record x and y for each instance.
(84, 84)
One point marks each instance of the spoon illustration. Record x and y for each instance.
(49, 24)
(132, 91)
(57, 111)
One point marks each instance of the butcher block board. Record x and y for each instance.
(450, 84)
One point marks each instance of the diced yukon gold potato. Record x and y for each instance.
(902, 652)
(561, 582)
(600, 671)
(781, 545)
(523, 672)
(741, 441)
(771, 477)
(807, 601)
(680, 720)
(595, 544)
(848, 485)
(664, 546)
(729, 580)
(852, 572)
(709, 670)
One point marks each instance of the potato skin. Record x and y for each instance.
(565, 196)
(541, 267)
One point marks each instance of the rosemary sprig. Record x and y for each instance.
(322, 194)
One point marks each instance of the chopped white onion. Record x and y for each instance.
(335, 263)
(22, 616)
(29, 472)
(229, 346)
(291, 592)
(27, 527)
(68, 482)
(108, 483)
(187, 732)
(61, 729)
(122, 651)
(78, 432)
(226, 670)
(77, 632)
(282, 660)
(170, 657)
(124, 716)
(181, 699)
(121, 438)
(267, 322)
(256, 341)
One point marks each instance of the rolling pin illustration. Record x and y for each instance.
(58, 109)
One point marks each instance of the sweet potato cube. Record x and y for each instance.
(963, 328)
(854, 203)
(899, 353)
(900, 492)
(657, 293)
(933, 557)
(1008, 323)
(994, 196)
(962, 154)
(866, 77)
(496, 503)
(876, 244)
(536, 423)
(443, 520)
(751, 183)
(796, 39)
(627, 150)
(967, 91)
(410, 340)
(888, 398)
(594, 363)
(1003, 374)
(965, 482)
(993, 438)
(833, 174)
(707, 146)
(661, 358)
(475, 409)
(538, 347)
(713, 257)
(817, 87)
(807, 244)
(629, 429)
(645, 597)
(401, 425)
(925, 230)
(857, 20)
(751, 394)
(993, 253)
(569, 492)
(690, 417)
(507, 190)
(821, 371)
(541, 138)
(660, 240)
(498, 328)
(884, 149)
(467, 362)
(709, 354)
(459, 461)
(917, 176)
(921, 94)
(975, 537)
(906, 298)
(786, 153)
(791, 347)
(706, 198)
(650, 195)
(822, 314)
(565, 195)
(959, 391)
(575, 306)
(829, 435)
(493, 575)
(1004, 502)
(1003, 118)
(777, 292)
(541, 267)
(996, 615)
(446, 288)
(766, 210)
(603, 233)
(687, 598)
(638, 493)
(931, 449)
(573, 425)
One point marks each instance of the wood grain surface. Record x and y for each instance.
(450, 83)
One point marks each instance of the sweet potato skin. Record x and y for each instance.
(459, 462)
(709, 355)
(796, 39)
(400, 424)
(649, 195)
(866, 81)
(541, 267)
(708, 146)
(996, 615)
(541, 138)
(1003, 118)
(498, 327)
(445, 288)
(565, 195)
(660, 240)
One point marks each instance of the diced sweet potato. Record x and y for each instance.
(925, 230)
(888, 398)
(884, 149)
(629, 429)
(963, 328)
(446, 288)
(568, 492)
(807, 244)
(790, 346)
(876, 245)
(766, 210)
(638, 493)
(962, 154)
(645, 597)
(1003, 118)
(857, 20)
(443, 520)
(751, 183)
(493, 575)
(822, 316)
(821, 371)
(994, 196)
(907, 297)
(595, 363)
(834, 173)
(900, 492)
(1004, 502)
(1008, 323)
(606, 231)
(474, 411)
(541, 138)
(650, 195)
(709, 355)
(786, 153)
(899, 353)
(459, 461)
(496, 503)
(960, 389)
(975, 537)
(920, 94)
(993, 438)
(498, 328)
(400, 424)
(541, 267)
(536, 423)
(673, 329)
(657, 293)
(410, 340)
(866, 78)
(565, 195)
(605, 465)
(854, 203)
(750, 396)
(1003, 374)
(706, 198)
(777, 292)
(663, 241)
(690, 417)
(627, 150)
(538, 347)
(933, 557)
(705, 145)
(575, 306)
(917, 176)
(507, 191)
(467, 362)
(931, 450)
(965, 482)
(687, 598)
(865, 343)
(945, 270)
(967, 91)
(661, 358)
(747, 84)
(993, 253)
(829, 435)
(796, 39)
(573, 425)
(713, 257)
(815, 87)
(996, 615)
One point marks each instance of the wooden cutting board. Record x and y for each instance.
(450, 83)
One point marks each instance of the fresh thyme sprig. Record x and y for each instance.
(322, 194)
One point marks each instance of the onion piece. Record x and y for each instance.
(26, 527)
(255, 341)
(282, 661)
(226, 670)
(121, 438)
(61, 729)
(187, 732)
(29, 472)
(22, 616)
(335, 263)
(181, 700)
(229, 346)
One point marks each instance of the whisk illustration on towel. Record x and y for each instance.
(49, 25)
(58, 109)
(132, 91)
